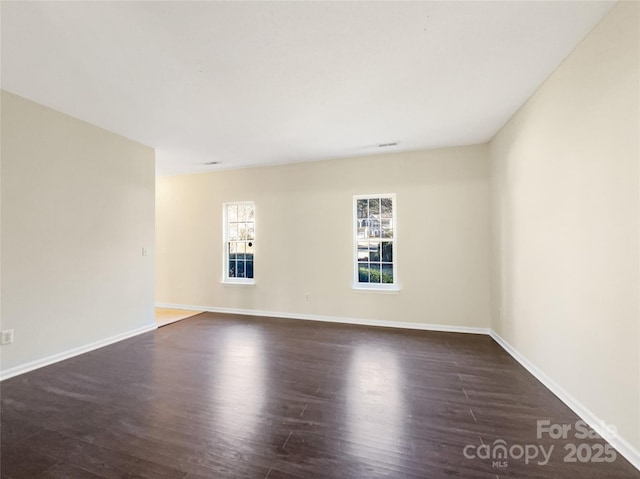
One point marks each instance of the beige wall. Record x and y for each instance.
(566, 221)
(304, 241)
(77, 208)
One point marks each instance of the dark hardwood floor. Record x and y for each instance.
(215, 396)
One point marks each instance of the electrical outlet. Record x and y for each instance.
(145, 251)
(6, 337)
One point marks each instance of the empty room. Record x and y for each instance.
(321, 239)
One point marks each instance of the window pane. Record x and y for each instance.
(240, 270)
(363, 251)
(387, 228)
(387, 252)
(374, 228)
(232, 248)
(363, 210)
(374, 207)
(374, 251)
(242, 212)
(374, 272)
(233, 231)
(250, 232)
(232, 268)
(387, 273)
(363, 273)
(249, 269)
(387, 208)
(242, 231)
(241, 247)
(232, 213)
(250, 212)
(249, 248)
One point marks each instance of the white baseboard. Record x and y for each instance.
(39, 363)
(331, 319)
(597, 424)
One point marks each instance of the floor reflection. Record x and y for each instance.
(240, 388)
(375, 401)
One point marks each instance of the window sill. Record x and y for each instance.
(241, 282)
(391, 289)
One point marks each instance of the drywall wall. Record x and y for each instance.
(304, 237)
(565, 209)
(77, 209)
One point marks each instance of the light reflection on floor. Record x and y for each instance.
(376, 386)
(241, 372)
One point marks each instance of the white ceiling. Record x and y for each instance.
(253, 83)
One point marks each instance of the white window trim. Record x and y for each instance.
(225, 240)
(375, 287)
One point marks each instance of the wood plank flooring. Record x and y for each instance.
(216, 396)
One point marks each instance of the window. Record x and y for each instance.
(375, 235)
(239, 242)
